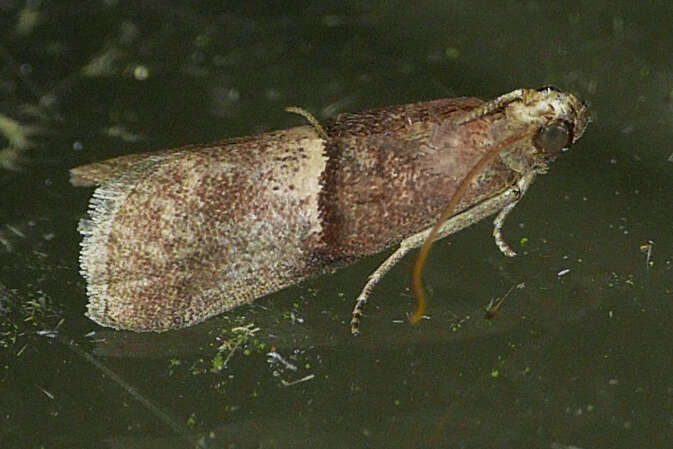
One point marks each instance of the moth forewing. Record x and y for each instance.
(171, 243)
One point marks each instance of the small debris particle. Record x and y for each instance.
(141, 73)
(46, 393)
(452, 52)
(191, 420)
(563, 272)
(646, 249)
(298, 381)
(275, 357)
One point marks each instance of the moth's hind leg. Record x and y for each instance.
(374, 279)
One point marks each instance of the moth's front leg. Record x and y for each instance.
(497, 203)
(521, 187)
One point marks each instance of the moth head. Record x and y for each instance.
(557, 119)
(562, 119)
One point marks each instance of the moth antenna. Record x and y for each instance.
(309, 118)
(492, 105)
(417, 283)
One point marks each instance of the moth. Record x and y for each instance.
(177, 236)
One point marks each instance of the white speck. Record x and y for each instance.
(295, 382)
(46, 393)
(274, 356)
(26, 69)
(233, 94)
(563, 272)
(273, 94)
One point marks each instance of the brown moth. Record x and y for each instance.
(177, 236)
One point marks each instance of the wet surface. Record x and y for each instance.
(577, 358)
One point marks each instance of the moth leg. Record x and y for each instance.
(374, 279)
(499, 221)
(454, 224)
(520, 189)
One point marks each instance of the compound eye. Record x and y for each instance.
(553, 138)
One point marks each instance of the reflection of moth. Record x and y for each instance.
(177, 236)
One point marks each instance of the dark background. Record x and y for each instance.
(581, 360)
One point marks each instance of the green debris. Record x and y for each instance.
(29, 17)
(217, 363)
(232, 340)
(202, 40)
(20, 318)
(452, 52)
(173, 364)
(141, 72)
(106, 63)
(18, 137)
(191, 420)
